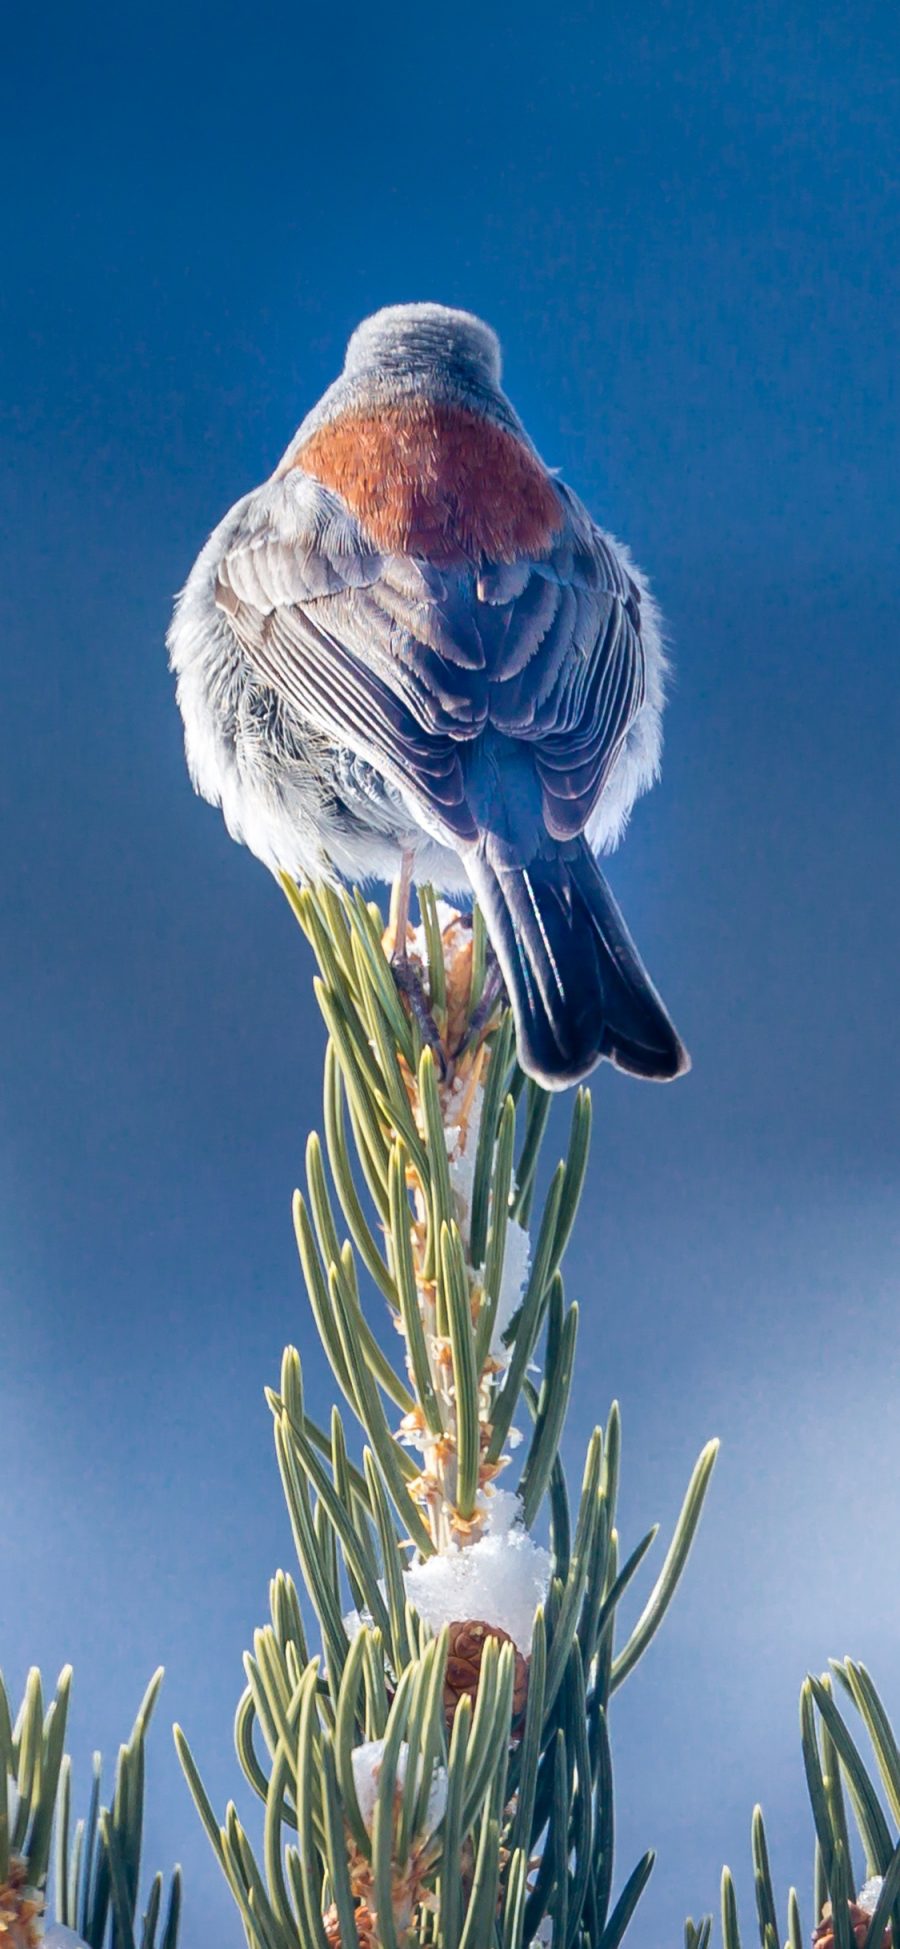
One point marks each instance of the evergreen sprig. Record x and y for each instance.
(430, 1779)
(96, 1862)
(855, 1807)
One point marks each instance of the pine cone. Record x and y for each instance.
(20, 1910)
(464, 1655)
(366, 1929)
(860, 1923)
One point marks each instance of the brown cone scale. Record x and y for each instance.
(366, 1928)
(464, 1654)
(860, 1923)
(21, 1908)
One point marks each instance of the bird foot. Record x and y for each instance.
(494, 988)
(412, 987)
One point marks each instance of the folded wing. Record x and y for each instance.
(408, 664)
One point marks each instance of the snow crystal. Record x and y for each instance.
(869, 1893)
(516, 1262)
(462, 1168)
(446, 915)
(517, 1247)
(504, 1511)
(355, 1621)
(437, 1799)
(499, 1580)
(366, 1761)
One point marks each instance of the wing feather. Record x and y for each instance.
(407, 665)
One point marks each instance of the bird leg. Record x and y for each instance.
(494, 987)
(411, 985)
(406, 975)
(398, 917)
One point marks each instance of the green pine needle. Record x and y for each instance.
(527, 1828)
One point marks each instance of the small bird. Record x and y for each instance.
(411, 651)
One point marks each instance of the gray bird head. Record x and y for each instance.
(419, 338)
(427, 350)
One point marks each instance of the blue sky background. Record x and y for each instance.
(683, 222)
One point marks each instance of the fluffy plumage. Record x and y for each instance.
(414, 639)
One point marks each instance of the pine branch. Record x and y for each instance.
(440, 1775)
(97, 1864)
(865, 1854)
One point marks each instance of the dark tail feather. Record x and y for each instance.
(578, 988)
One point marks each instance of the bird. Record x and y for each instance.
(411, 651)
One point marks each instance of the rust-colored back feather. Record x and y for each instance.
(436, 480)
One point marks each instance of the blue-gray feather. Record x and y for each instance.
(346, 705)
